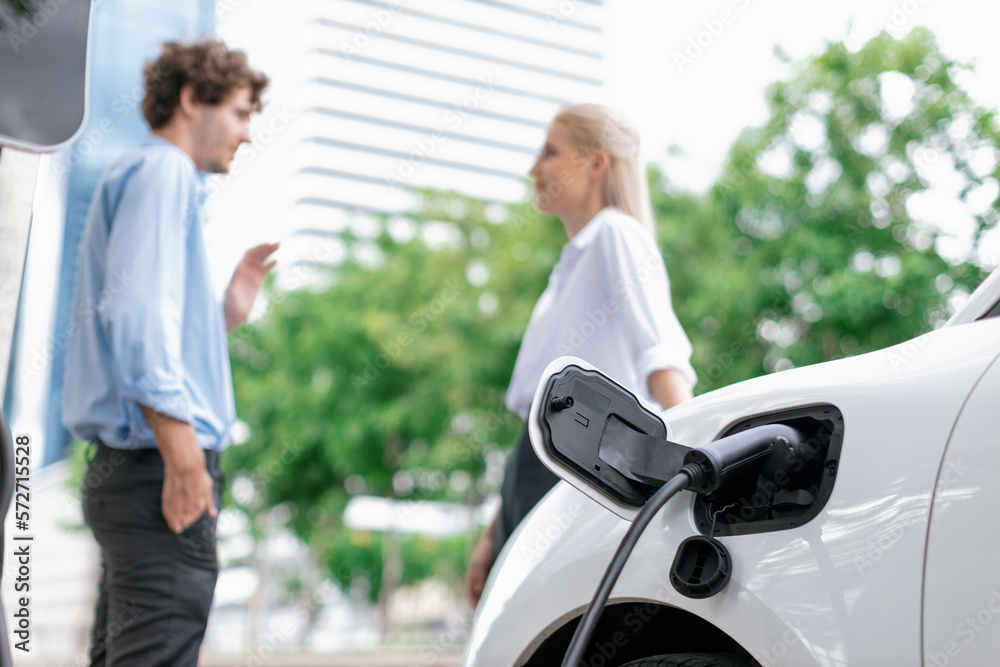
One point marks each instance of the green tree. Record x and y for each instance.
(390, 381)
(812, 245)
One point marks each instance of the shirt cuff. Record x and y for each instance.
(159, 391)
(659, 358)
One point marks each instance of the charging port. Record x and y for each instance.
(756, 501)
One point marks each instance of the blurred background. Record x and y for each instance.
(824, 176)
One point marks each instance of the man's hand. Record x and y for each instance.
(187, 495)
(187, 486)
(245, 283)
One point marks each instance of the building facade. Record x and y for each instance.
(374, 101)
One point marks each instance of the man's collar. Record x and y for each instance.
(157, 140)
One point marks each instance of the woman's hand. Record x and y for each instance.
(669, 387)
(480, 565)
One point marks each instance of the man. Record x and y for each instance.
(147, 369)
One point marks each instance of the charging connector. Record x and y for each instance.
(703, 470)
(768, 449)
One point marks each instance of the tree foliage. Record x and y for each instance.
(391, 380)
(820, 239)
(815, 243)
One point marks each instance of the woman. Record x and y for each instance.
(607, 301)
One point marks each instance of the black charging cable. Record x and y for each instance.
(704, 470)
(689, 474)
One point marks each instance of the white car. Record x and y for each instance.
(882, 548)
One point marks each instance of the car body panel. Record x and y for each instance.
(962, 584)
(845, 588)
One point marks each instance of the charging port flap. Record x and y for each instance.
(603, 433)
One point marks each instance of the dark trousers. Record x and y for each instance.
(526, 480)
(156, 586)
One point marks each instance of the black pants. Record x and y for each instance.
(525, 481)
(156, 586)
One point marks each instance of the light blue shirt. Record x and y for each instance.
(146, 328)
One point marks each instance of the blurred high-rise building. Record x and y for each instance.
(374, 101)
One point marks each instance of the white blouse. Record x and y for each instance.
(608, 302)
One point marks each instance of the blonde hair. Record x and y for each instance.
(596, 128)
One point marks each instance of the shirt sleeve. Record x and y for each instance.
(636, 280)
(144, 288)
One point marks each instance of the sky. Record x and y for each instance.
(694, 74)
(691, 76)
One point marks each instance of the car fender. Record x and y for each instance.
(845, 587)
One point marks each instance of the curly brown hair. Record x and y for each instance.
(209, 66)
